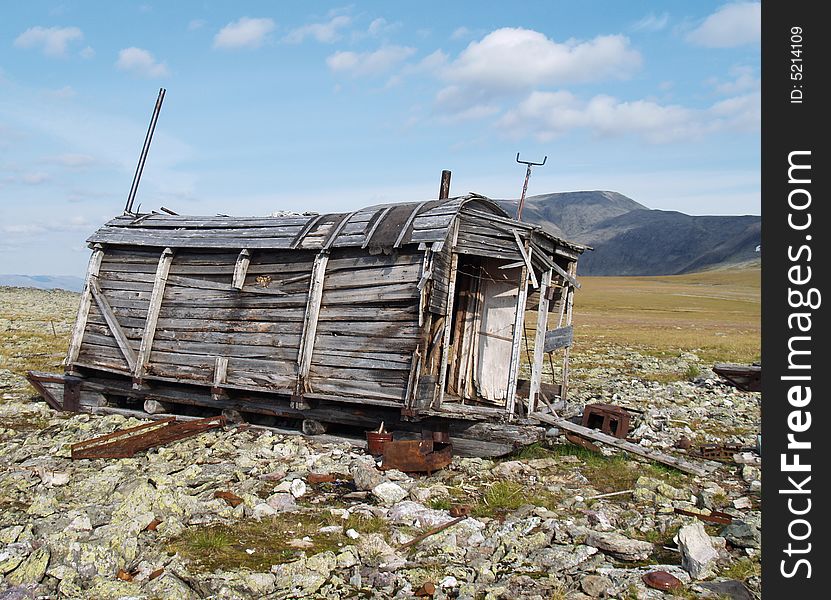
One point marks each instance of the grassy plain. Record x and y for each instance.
(715, 314)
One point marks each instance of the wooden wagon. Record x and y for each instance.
(412, 314)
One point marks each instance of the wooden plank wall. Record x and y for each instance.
(202, 317)
(366, 334)
(368, 325)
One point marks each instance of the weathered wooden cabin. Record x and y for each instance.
(412, 314)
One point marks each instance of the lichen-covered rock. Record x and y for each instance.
(32, 569)
(170, 586)
(619, 545)
(698, 556)
(743, 534)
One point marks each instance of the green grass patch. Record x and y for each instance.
(227, 546)
(503, 497)
(743, 569)
(531, 452)
(366, 524)
(617, 472)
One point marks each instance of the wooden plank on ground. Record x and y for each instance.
(701, 469)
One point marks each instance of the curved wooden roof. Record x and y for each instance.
(385, 226)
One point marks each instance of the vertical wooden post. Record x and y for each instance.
(572, 270)
(519, 330)
(539, 342)
(220, 374)
(241, 269)
(307, 337)
(444, 188)
(83, 308)
(448, 322)
(156, 297)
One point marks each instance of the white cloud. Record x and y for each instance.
(325, 33)
(53, 41)
(744, 80)
(35, 178)
(244, 33)
(73, 223)
(63, 93)
(652, 22)
(367, 64)
(547, 115)
(461, 33)
(740, 113)
(87, 52)
(381, 26)
(731, 25)
(140, 62)
(511, 58)
(73, 161)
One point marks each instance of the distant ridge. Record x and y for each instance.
(44, 282)
(631, 239)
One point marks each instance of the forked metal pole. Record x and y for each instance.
(525, 185)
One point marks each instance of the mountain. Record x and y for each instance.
(631, 239)
(44, 282)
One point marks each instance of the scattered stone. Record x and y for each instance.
(743, 534)
(732, 589)
(514, 470)
(232, 499)
(595, 586)
(297, 488)
(282, 502)
(366, 476)
(32, 569)
(697, 553)
(743, 503)
(388, 493)
(619, 545)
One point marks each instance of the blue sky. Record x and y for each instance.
(329, 107)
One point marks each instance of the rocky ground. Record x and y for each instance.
(246, 513)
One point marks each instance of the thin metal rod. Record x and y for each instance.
(525, 185)
(131, 197)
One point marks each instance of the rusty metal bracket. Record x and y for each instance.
(126, 442)
(416, 456)
(608, 418)
(721, 518)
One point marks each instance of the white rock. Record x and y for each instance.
(449, 582)
(697, 552)
(331, 529)
(263, 510)
(282, 487)
(389, 493)
(743, 502)
(297, 488)
(352, 534)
